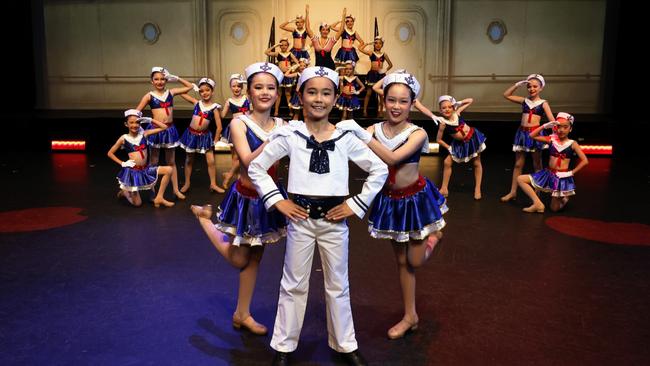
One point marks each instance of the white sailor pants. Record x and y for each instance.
(332, 239)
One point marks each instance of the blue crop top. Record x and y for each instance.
(243, 108)
(155, 103)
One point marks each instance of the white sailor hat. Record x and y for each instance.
(538, 77)
(318, 71)
(239, 77)
(265, 67)
(324, 25)
(304, 60)
(402, 78)
(378, 38)
(564, 116)
(132, 112)
(157, 69)
(449, 98)
(207, 81)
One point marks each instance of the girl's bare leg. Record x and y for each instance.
(247, 278)
(166, 172)
(189, 163)
(478, 177)
(407, 284)
(170, 156)
(526, 186)
(520, 159)
(446, 175)
(212, 172)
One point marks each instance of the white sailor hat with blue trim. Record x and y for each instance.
(538, 77)
(207, 81)
(402, 78)
(265, 67)
(318, 71)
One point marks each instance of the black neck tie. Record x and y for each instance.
(320, 161)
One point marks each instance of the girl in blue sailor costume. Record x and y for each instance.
(377, 59)
(348, 36)
(294, 73)
(557, 179)
(318, 152)
(299, 34)
(533, 108)
(350, 87)
(285, 60)
(322, 42)
(236, 105)
(161, 103)
(242, 225)
(409, 209)
(135, 174)
(467, 143)
(197, 139)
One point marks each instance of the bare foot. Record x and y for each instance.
(204, 211)
(444, 192)
(179, 195)
(185, 188)
(120, 194)
(508, 197)
(161, 201)
(534, 209)
(216, 188)
(227, 176)
(477, 196)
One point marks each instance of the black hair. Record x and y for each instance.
(206, 83)
(412, 93)
(302, 87)
(249, 80)
(155, 73)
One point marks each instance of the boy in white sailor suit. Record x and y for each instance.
(319, 152)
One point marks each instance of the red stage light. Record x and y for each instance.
(597, 149)
(68, 145)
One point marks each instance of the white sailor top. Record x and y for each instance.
(307, 156)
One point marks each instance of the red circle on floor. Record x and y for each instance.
(41, 218)
(623, 233)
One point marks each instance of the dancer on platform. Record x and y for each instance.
(318, 152)
(285, 60)
(136, 175)
(350, 87)
(557, 179)
(467, 143)
(299, 34)
(377, 58)
(295, 104)
(197, 139)
(533, 108)
(322, 42)
(348, 36)
(243, 226)
(409, 209)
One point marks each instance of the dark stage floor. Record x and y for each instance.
(92, 281)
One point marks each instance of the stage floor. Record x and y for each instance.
(87, 280)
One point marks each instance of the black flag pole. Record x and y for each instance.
(271, 59)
